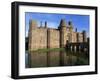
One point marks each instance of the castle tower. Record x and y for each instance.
(70, 25)
(70, 35)
(32, 25)
(84, 36)
(63, 28)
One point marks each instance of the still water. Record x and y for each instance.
(55, 58)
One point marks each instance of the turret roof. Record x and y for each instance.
(63, 23)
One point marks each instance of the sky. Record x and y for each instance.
(81, 22)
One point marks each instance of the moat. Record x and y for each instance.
(56, 58)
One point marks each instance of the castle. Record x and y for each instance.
(46, 37)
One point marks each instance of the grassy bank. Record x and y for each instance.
(47, 50)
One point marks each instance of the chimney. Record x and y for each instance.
(41, 24)
(45, 24)
(76, 30)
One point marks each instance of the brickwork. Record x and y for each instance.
(53, 38)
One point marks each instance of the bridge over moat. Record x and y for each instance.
(83, 47)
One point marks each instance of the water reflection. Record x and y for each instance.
(55, 58)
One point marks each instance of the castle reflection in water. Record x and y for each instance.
(56, 58)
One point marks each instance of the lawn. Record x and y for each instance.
(48, 49)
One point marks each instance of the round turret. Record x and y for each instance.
(63, 23)
(69, 23)
(33, 24)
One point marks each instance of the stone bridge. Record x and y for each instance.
(83, 47)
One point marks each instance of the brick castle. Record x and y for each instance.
(46, 37)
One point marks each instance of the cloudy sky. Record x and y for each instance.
(81, 22)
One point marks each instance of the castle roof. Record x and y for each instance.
(63, 23)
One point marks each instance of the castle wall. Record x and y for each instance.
(30, 39)
(53, 38)
(39, 38)
(84, 36)
(79, 37)
(74, 37)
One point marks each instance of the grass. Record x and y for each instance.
(49, 49)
